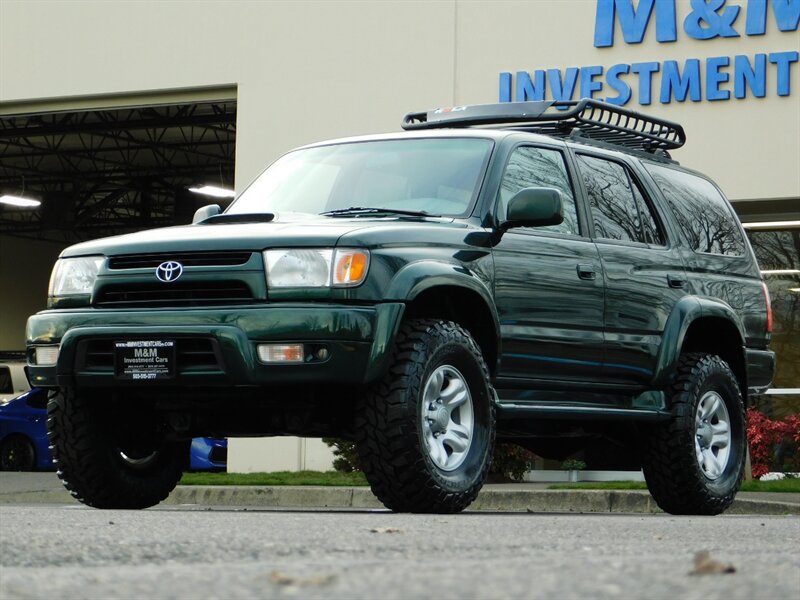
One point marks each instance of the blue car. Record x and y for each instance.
(24, 445)
(208, 454)
(23, 433)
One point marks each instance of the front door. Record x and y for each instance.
(548, 284)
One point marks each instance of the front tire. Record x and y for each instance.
(426, 430)
(101, 466)
(694, 462)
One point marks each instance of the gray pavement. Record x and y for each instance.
(45, 488)
(192, 552)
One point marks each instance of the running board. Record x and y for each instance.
(507, 410)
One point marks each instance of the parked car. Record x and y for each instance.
(12, 376)
(208, 454)
(538, 273)
(24, 445)
(23, 433)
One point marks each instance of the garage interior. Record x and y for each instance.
(104, 172)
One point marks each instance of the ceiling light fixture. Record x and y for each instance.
(781, 272)
(771, 224)
(212, 190)
(19, 201)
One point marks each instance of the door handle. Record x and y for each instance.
(676, 281)
(587, 271)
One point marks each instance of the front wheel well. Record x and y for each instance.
(713, 335)
(463, 306)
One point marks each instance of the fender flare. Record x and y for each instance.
(686, 311)
(418, 277)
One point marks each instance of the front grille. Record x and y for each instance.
(190, 293)
(187, 259)
(192, 354)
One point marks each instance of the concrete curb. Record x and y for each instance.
(489, 500)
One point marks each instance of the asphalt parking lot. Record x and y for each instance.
(195, 551)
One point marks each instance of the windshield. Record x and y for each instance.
(433, 176)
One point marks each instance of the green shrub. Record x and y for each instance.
(573, 464)
(345, 455)
(509, 461)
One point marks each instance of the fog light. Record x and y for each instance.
(46, 355)
(281, 353)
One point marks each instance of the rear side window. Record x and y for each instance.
(619, 210)
(702, 212)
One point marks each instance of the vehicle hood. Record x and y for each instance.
(312, 231)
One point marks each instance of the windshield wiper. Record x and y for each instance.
(367, 210)
(239, 218)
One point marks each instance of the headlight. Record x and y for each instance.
(316, 267)
(73, 276)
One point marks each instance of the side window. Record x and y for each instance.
(702, 212)
(619, 209)
(540, 167)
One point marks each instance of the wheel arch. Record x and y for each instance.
(702, 325)
(452, 292)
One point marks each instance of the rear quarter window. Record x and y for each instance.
(701, 210)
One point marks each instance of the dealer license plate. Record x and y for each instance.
(144, 360)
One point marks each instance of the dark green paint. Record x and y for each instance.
(578, 323)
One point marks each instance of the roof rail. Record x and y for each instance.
(583, 118)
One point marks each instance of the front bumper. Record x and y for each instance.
(217, 346)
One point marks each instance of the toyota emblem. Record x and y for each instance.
(169, 271)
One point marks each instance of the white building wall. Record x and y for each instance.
(307, 71)
(254, 455)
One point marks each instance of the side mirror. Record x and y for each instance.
(201, 214)
(534, 207)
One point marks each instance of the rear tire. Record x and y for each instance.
(98, 467)
(427, 429)
(17, 454)
(694, 462)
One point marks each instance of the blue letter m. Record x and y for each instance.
(634, 22)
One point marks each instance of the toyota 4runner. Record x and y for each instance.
(526, 272)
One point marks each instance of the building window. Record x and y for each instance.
(777, 248)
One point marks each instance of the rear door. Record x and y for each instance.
(644, 274)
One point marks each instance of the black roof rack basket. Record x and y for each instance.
(587, 118)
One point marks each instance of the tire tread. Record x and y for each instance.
(389, 448)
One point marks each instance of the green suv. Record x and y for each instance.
(526, 272)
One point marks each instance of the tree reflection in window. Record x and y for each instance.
(539, 167)
(702, 212)
(776, 249)
(613, 198)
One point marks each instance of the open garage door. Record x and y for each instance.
(100, 172)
